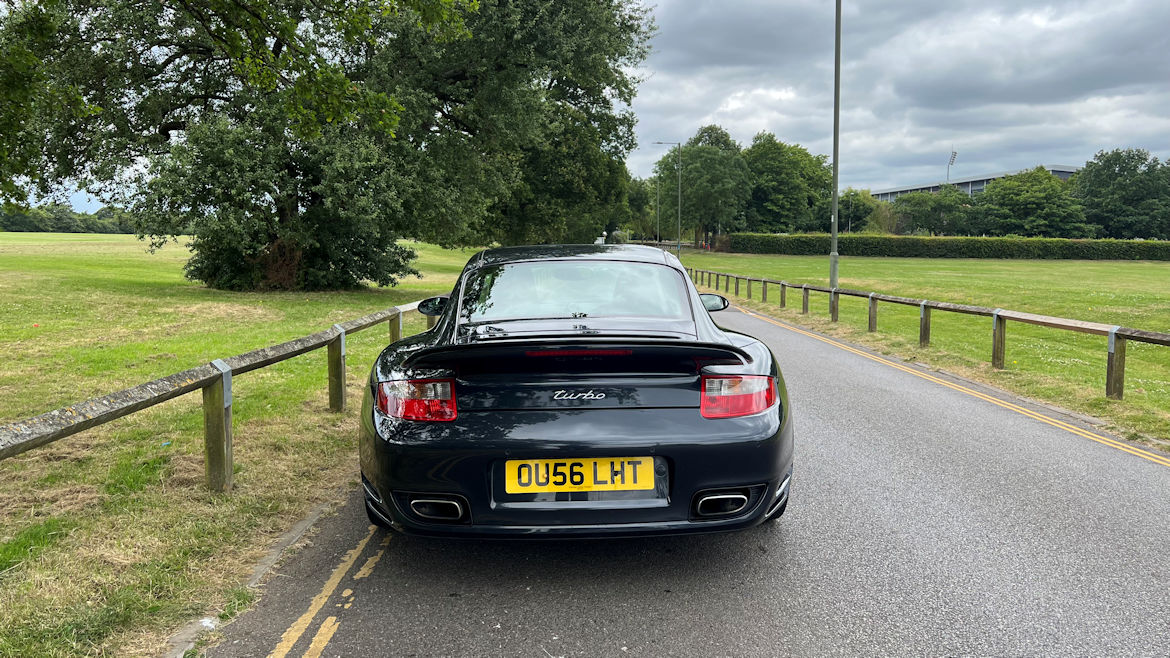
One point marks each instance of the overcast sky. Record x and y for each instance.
(1010, 83)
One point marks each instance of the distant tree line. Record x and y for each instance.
(773, 187)
(1123, 193)
(61, 218)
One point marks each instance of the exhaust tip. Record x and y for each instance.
(437, 509)
(721, 504)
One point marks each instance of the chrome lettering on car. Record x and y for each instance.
(587, 395)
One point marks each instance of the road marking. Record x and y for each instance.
(294, 632)
(1059, 424)
(324, 634)
(368, 567)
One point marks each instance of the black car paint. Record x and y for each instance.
(499, 419)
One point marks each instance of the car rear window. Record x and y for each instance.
(574, 289)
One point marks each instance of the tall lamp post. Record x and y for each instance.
(836, 143)
(950, 162)
(678, 247)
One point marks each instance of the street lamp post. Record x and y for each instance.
(657, 209)
(678, 247)
(836, 143)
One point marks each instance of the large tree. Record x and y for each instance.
(89, 87)
(445, 132)
(1032, 204)
(945, 212)
(791, 188)
(854, 208)
(1126, 193)
(715, 185)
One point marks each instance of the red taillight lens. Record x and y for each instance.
(417, 399)
(728, 396)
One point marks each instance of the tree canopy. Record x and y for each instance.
(301, 165)
(1126, 193)
(791, 188)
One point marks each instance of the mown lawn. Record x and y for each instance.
(108, 540)
(1059, 367)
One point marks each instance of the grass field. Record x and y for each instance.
(1056, 366)
(107, 539)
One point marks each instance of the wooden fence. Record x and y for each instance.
(215, 380)
(1118, 336)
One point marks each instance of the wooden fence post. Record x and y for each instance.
(923, 325)
(395, 324)
(1115, 374)
(737, 286)
(217, 429)
(727, 283)
(804, 301)
(336, 359)
(872, 312)
(749, 288)
(783, 293)
(432, 320)
(834, 304)
(998, 339)
(763, 290)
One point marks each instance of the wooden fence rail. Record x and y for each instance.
(1118, 336)
(215, 380)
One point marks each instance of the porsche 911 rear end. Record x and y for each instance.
(576, 422)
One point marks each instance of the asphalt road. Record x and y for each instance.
(929, 517)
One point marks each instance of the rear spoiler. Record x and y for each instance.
(450, 355)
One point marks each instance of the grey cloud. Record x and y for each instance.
(1010, 84)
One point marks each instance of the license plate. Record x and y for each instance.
(557, 475)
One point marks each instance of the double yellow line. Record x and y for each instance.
(1059, 424)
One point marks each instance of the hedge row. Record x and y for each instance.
(948, 247)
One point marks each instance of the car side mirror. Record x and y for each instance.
(711, 302)
(432, 306)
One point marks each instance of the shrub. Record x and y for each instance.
(817, 244)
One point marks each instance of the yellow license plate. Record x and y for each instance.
(557, 475)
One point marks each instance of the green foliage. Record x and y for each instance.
(570, 191)
(640, 200)
(714, 135)
(60, 218)
(950, 247)
(716, 183)
(1126, 194)
(790, 190)
(88, 88)
(946, 212)
(853, 209)
(1032, 204)
(510, 134)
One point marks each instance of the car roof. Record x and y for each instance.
(630, 252)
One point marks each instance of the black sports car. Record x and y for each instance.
(575, 390)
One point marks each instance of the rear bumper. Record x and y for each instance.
(461, 460)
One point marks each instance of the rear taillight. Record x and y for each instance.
(417, 399)
(728, 396)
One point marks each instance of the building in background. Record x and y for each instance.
(971, 184)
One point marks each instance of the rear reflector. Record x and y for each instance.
(578, 352)
(417, 399)
(728, 396)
